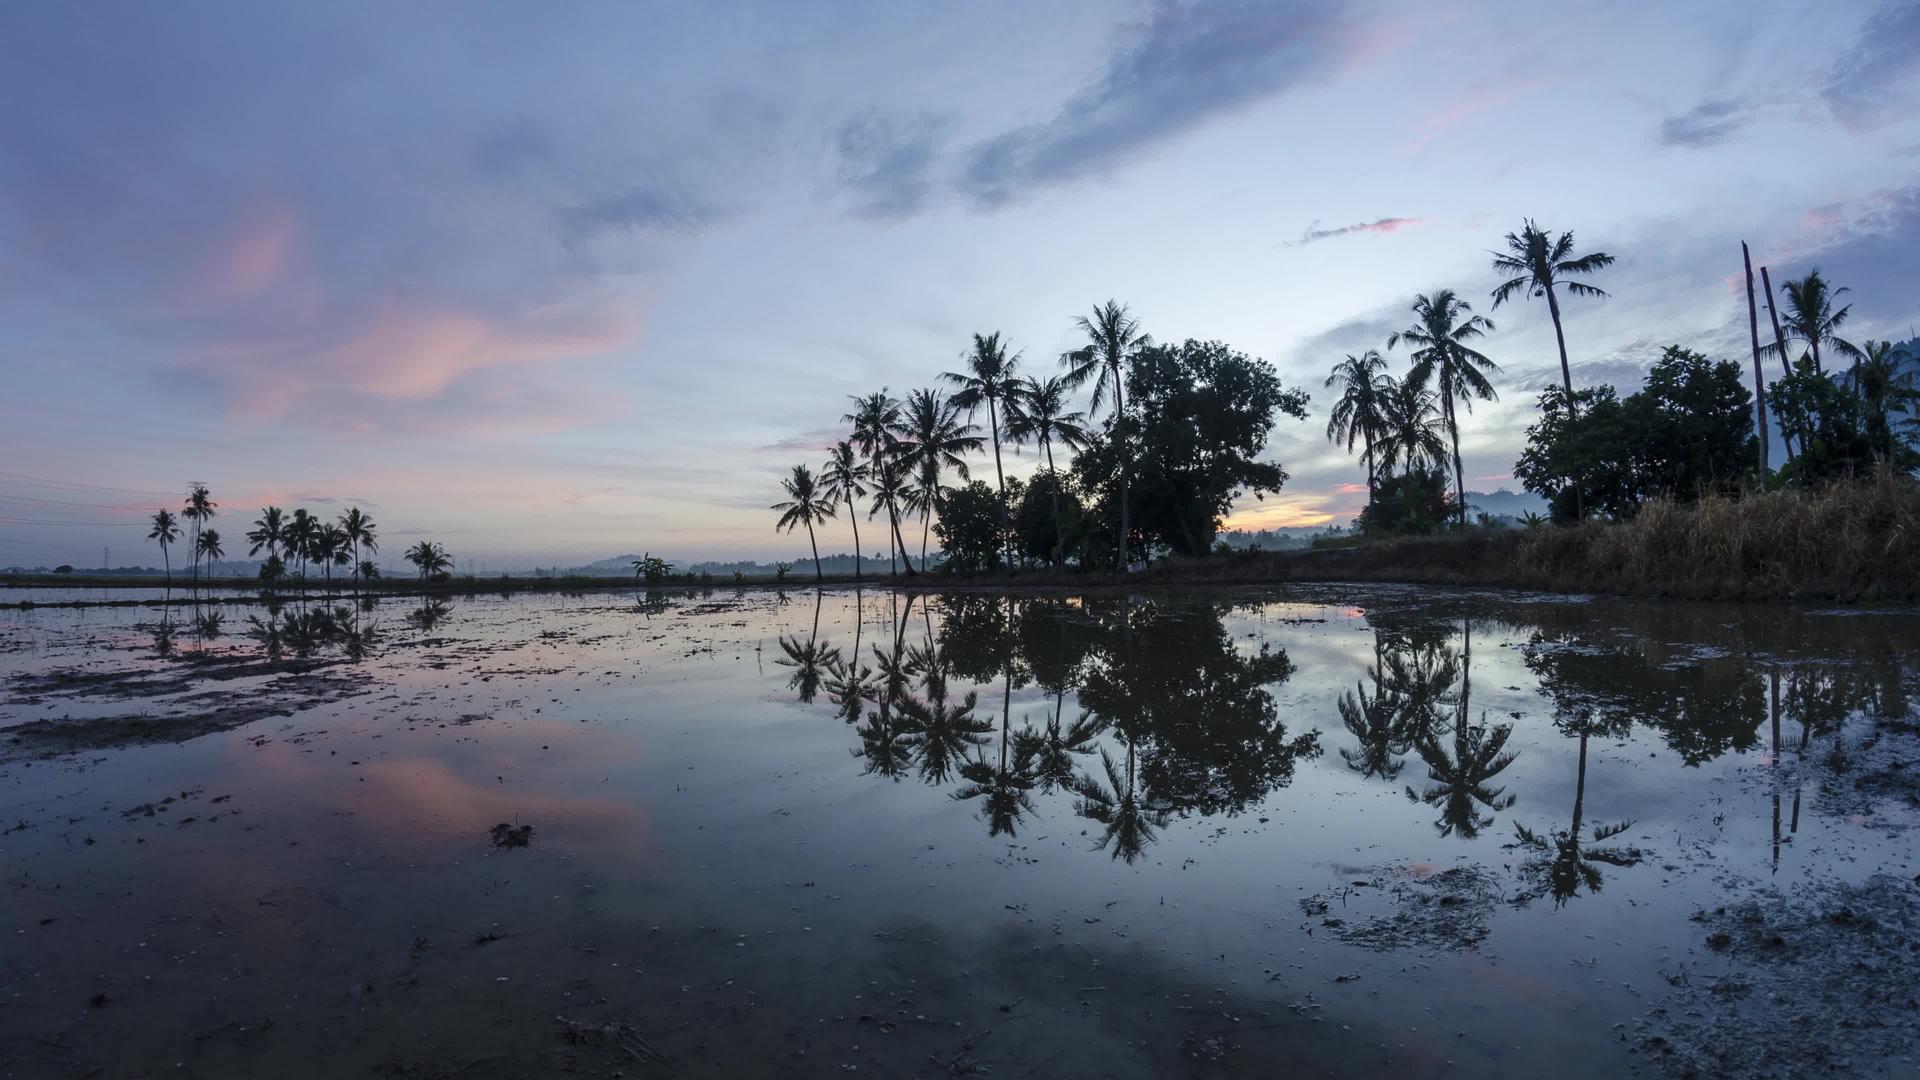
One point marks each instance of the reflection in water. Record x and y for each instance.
(1567, 862)
(1460, 778)
(1191, 716)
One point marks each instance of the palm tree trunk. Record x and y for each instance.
(853, 516)
(1580, 788)
(993, 425)
(1780, 343)
(1370, 470)
(1120, 445)
(817, 575)
(1054, 488)
(893, 515)
(1759, 384)
(1459, 474)
(164, 558)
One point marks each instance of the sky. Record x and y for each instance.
(551, 283)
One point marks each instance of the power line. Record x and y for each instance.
(87, 487)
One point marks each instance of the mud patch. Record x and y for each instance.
(200, 714)
(1821, 981)
(1409, 909)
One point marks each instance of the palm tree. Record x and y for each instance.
(1537, 264)
(1445, 324)
(932, 437)
(199, 509)
(297, 537)
(843, 480)
(989, 379)
(803, 506)
(1885, 389)
(876, 421)
(208, 547)
(1113, 336)
(1416, 430)
(362, 534)
(165, 531)
(268, 530)
(1811, 318)
(331, 549)
(430, 557)
(1038, 413)
(1360, 412)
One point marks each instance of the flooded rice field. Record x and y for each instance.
(1327, 831)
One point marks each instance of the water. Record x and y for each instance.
(1330, 831)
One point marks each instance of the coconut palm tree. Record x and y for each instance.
(990, 378)
(331, 549)
(1038, 413)
(165, 531)
(199, 509)
(1445, 323)
(1360, 412)
(297, 537)
(1884, 382)
(268, 530)
(843, 479)
(1416, 431)
(876, 422)
(1812, 319)
(207, 546)
(1537, 264)
(803, 506)
(1113, 336)
(362, 535)
(932, 437)
(430, 557)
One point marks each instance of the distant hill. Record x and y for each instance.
(1504, 503)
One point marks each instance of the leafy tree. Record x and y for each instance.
(969, 528)
(1113, 337)
(1884, 384)
(1537, 264)
(651, 567)
(1820, 414)
(1361, 411)
(1411, 502)
(803, 506)
(1443, 327)
(1202, 415)
(1049, 519)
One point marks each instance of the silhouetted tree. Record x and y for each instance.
(989, 379)
(1445, 323)
(1360, 413)
(803, 506)
(844, 480)
(1812, 319)
(1537, 264)
(164, 532)
(1113, 336)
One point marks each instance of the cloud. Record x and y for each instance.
(1191, 63)
(1863, 85)
(1705, 124)
(885, 161)
(1315, 234)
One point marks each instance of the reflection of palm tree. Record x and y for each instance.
(1004, 786)
(429, 615)
(1376, 721)
(941, 731)
(163, 636)
(1132, 818)
(809, 661)
(1460, 780)
(1054, 749)
(1571, 865)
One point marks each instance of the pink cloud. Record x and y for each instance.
(257, 252)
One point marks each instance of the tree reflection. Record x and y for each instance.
(810, 662)
(1132, 819)
(1566, 862)
(1005, 786)
(1461, 787)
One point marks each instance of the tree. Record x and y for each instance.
(1360, 412)
(331, 549)
(268, 531)
(1825, 419)
(199, 509)
(1416, 431)
(876, 421)
(1038, 413)
(165, 531)
(1445, 323)
(208, 548)
(298, 536)
(431, 558)
(653, 568)
(1411, 502)
(1113, 336)
(803, 506)
(1047, 519)
(1812, 319)
(1885, 387)
(1202, 415)
(362, 534)
(932, 439)
(1537, 264)
(969, 528)
(989, 379)
(843, 479)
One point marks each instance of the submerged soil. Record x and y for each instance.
(1329, 830)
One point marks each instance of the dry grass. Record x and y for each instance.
(1854, 541)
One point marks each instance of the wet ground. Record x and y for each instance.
(1338, 831)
